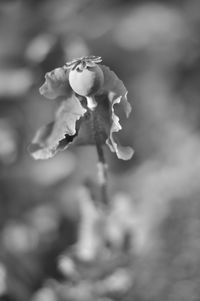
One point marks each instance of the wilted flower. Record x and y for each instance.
(87, 91)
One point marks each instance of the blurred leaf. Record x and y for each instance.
(75, 47)
(45, 294)
(50, 172)
(142, 30)
(40, 47)
(118, 228)
(3, 279)
(90, 236)
(19, 238)
(44, 219)
(117, 283)
(8, 142)
(67, 267)
(15, 82)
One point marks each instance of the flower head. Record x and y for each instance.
(86, 77)
(83, 85)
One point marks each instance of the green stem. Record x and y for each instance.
(102, 173)
(101, 165)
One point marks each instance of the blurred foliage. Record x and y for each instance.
(55, 241)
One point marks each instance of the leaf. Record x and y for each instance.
(56, 83)
(59, 134)
(117, 94)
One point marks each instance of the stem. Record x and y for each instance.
(91, 102)
(102, 173)
(101, 165)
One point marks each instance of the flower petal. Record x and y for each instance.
(56, 83)
(59, 134)
(117, 94)
(115, 88)
(122, 152)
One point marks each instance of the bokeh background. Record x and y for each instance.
(52, 246)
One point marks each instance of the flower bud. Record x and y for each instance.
(86, 80)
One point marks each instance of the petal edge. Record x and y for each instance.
(59, 134)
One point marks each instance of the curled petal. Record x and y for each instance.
(122, 152)
(117, 94)
(56, 83)
(60, 133)
(114, 87)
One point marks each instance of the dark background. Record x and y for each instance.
(153, 46)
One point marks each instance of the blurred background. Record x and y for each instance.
(52, 246)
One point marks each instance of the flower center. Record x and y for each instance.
(83, 62)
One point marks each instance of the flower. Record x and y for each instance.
(84, 87)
